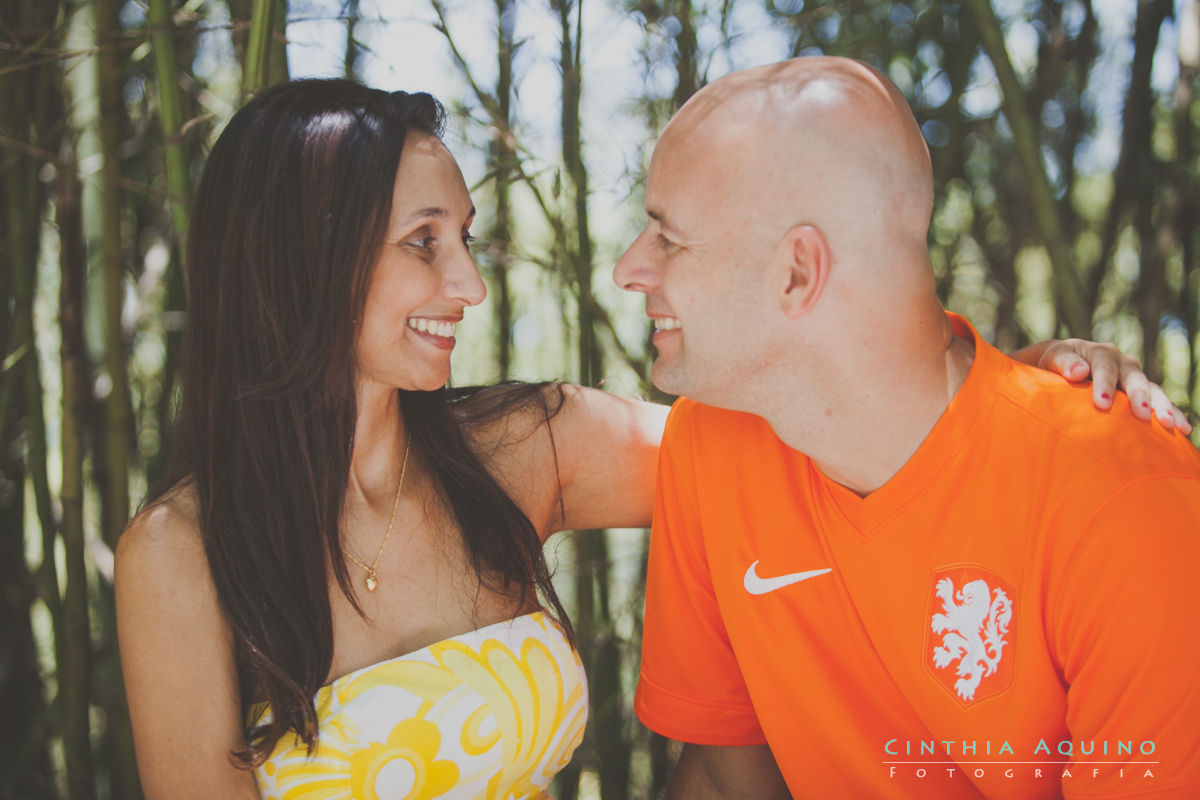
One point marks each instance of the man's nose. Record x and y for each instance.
(635, 270)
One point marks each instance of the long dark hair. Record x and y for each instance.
(288, 221)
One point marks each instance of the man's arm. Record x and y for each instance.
(680, 696)
(1123, 617)
(708, 772)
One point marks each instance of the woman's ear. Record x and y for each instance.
(807, 261)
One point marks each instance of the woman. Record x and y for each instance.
(342, 590)
(320, 521)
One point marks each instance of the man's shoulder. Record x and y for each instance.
(1059, 418)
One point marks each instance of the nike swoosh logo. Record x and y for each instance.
(757, 585)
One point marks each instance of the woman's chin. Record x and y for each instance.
(429, 383)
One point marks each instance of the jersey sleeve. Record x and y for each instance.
(690, 687)
(1125, 633)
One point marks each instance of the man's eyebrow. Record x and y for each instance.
(661, 219)
(437, 212)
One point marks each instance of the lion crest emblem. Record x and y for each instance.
(970, 631)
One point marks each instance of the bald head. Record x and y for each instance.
(818, 140)
(785, 263)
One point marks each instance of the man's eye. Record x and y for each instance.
(665, 243)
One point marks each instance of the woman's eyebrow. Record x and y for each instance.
(436, 212)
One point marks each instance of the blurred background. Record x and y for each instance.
(1064, 143)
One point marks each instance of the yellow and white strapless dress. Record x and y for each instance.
(493, 713)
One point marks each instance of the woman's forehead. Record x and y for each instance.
(429, 177)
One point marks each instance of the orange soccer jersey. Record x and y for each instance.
(1014, 614)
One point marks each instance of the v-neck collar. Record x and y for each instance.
(949, 434)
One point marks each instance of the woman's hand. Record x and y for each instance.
(1109, 369)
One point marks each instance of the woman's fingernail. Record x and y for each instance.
(1104, 395)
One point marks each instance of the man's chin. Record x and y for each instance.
(666, 379)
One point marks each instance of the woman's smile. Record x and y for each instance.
(438, 332)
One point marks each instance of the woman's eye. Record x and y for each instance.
(424, 243)
(468, 239)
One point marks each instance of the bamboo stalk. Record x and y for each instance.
(503, 155)
(258, 45)
(240, 12)
(352, 52)
(118, 415)
(179, 187)
(687, 80)
(579, 256)
(24, 396)
(553, 215)
(170, 113)
(585, 616)
(115, 453)
(22, 188)
(612, 749)
(277, 65)
(75, 667)
(30, 104)
(1185, 130)
(1070, 293)
(1138, 160)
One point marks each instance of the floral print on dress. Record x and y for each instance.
(494, 713)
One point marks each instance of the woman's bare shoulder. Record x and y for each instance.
(178, 656)
(501, 416)
(164, 537)
(508, 428)
(576, 457)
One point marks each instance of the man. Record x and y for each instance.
(887, 561)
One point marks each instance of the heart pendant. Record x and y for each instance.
(371, 583)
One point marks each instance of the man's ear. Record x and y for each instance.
(807, 261)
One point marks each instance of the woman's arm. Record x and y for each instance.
(607, 448)
(597, 469)
(177, 657)
(586, 459)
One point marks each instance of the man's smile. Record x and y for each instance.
(666, 323)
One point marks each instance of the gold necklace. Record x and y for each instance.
(372, 578)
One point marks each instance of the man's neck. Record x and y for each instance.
(867, 435)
